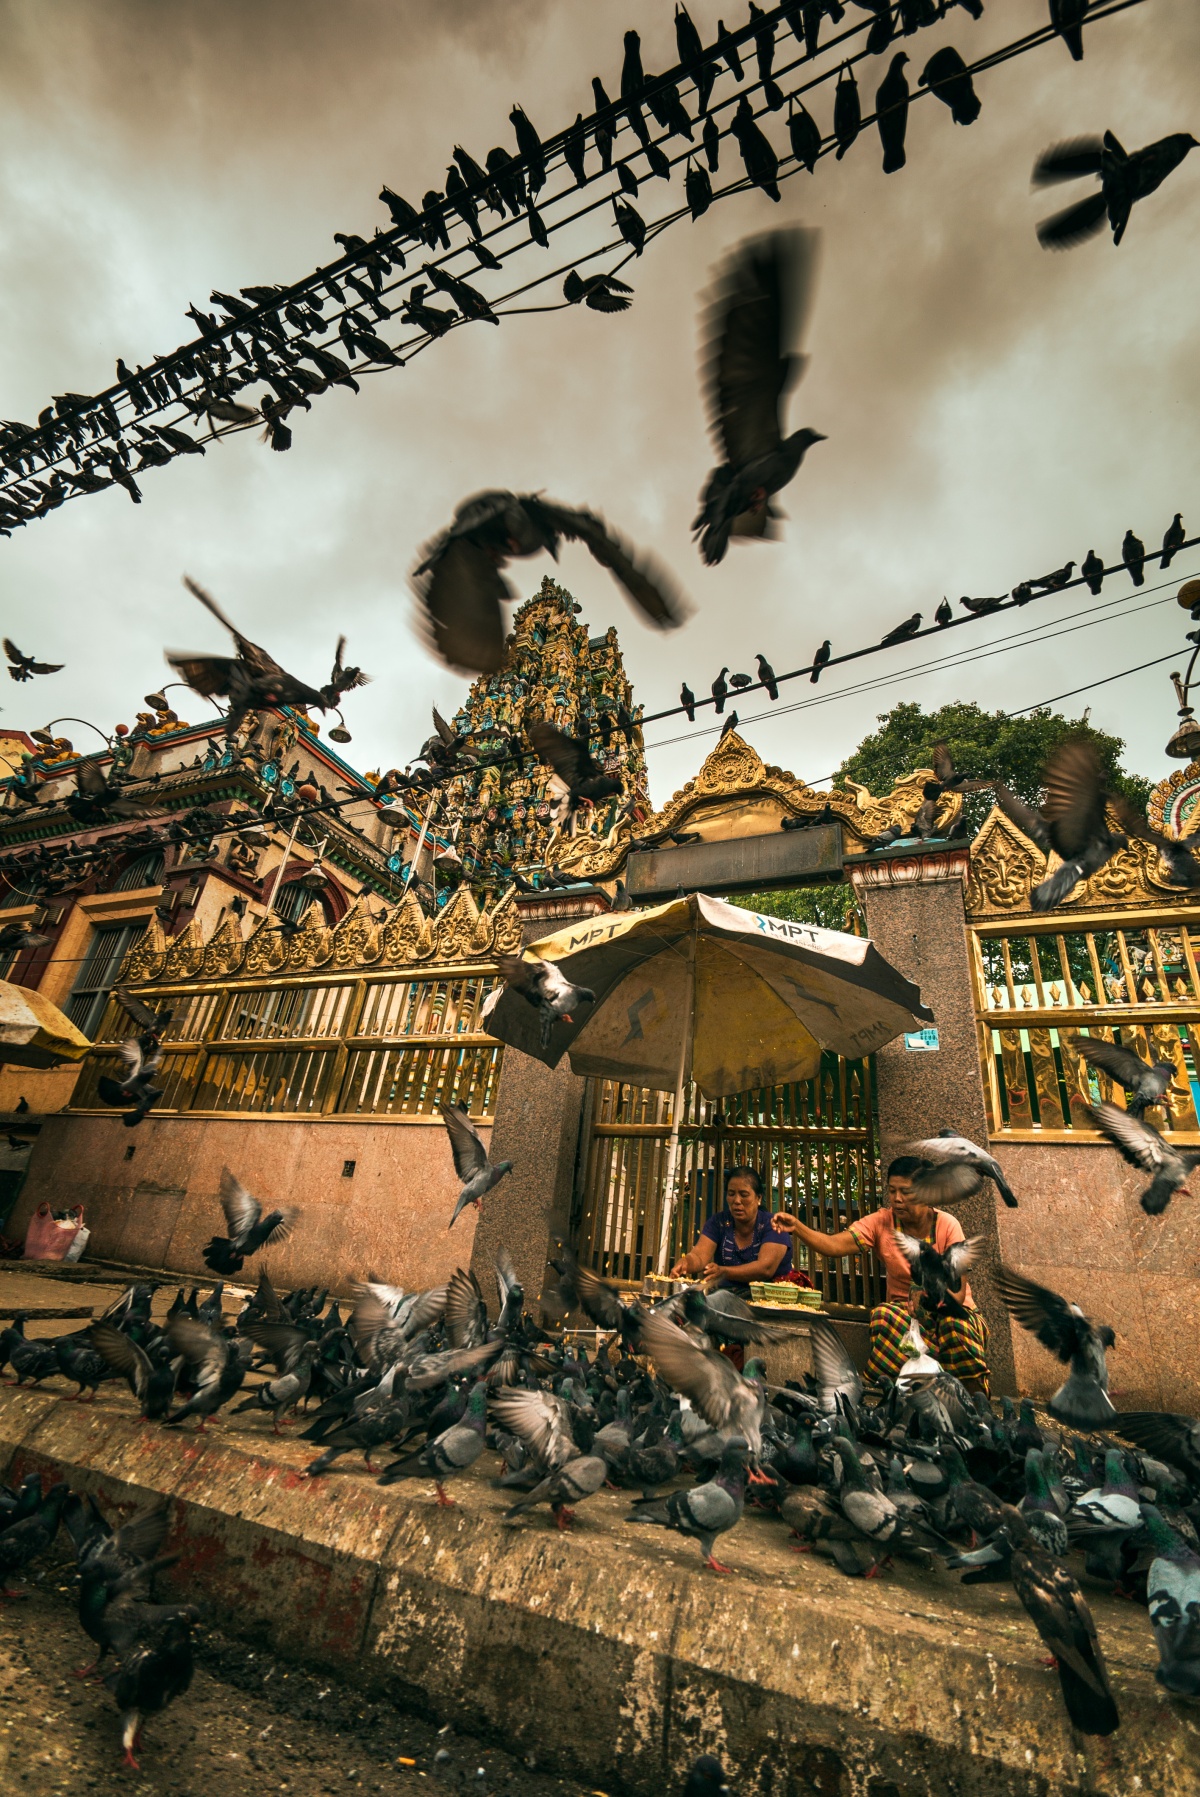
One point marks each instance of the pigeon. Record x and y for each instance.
(804, 134)
(838, 1384)
(1133, 554)
(1144, 1148)
(1053, 582)
(153, 1644)
(1174, 538)
(1055, 1605)
(631, 225)
(939, 1276)
(1066, 17)
(697, 189)
(720, 690)
(766, 675)
(249, 1230)
(739, 682)
(819, 660)
(283, 1393)
(22, 1542)
(705, 1511)
(1072, 820)
(1083, 1400)
(603, 293)
(728, 1403)
(581, 1289)
(958, 1170)
(582, 776)
(731, 723)
(1103, 1519)
(891, 113)
(471, 1162)
(1144, 1085)
(847, 111)
(342, 679)
(216, 1367)
(544, 986)
(944, 614)
(563, 1488)
(706, 1778)
(136, 1093)
(1092, 570)
(24, 667)
(152, 1383)
(250, 680)
(459, 583)
(754, 315)
(903, 632)
(980, 608)
(153, 1024)
(1173, 1596)
(1124, 179)
(759, 158)
(111, 1565)
(453, 1451)
(1039, 1509)
(435, 320)
(687, 700)
(702, 71)
(18, 938)
(947, 76)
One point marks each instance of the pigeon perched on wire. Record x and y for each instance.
(249, 1229)
(1124, 179)
(1144, 1083)
(1092, 570)
(1082, 1400)
(459, 583)
(947, 76)
(1174, 538)
(1145, 1149)
(754, 317)
(545, 987)
(603, 293)
(24, 667)
(471, 1162)
(903, 633)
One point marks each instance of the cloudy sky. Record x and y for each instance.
(991, 409)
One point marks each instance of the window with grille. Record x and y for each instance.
(146, 870)
(108, 948)
(293, 900)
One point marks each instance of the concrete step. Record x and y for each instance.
(610, 1651)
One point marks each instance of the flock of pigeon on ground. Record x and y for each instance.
(925, 1469)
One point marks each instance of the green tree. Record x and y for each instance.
(982, 745)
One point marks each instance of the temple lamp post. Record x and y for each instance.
(1185, 742)
(45, 735)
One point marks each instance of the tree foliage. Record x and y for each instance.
(983, 745)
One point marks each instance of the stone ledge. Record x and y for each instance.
(609, 1650)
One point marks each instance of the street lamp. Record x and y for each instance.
(1185, 742)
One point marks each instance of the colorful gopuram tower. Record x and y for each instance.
(502, 816)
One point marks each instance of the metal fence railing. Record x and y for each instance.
(1126, 977)
(379, 1046)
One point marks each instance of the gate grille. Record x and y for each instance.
(813, 1142)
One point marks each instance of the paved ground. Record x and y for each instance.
(248, 1726)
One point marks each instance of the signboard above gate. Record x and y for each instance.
(737, 864)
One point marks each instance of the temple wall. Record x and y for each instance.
(1080, 1229)
(160, 1208)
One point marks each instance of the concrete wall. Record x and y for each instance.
(1080, 1229)
(161, 1207)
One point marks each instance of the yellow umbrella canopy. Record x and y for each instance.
(703, 987)
(33, 1032)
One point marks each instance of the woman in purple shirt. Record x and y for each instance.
(740, 1243)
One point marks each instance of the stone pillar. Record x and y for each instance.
(535, 1126)
(913, 900)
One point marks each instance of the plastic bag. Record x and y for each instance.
(49, 1237)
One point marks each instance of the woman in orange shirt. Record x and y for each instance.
(957, 1337)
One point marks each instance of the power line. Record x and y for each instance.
(203, 371)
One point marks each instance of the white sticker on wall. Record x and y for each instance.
(922, 1041)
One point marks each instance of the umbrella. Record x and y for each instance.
(33, 1032)
(703, 988)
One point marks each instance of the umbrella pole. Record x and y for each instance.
(672, 1173)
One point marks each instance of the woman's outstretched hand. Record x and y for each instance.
(784, 1220)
